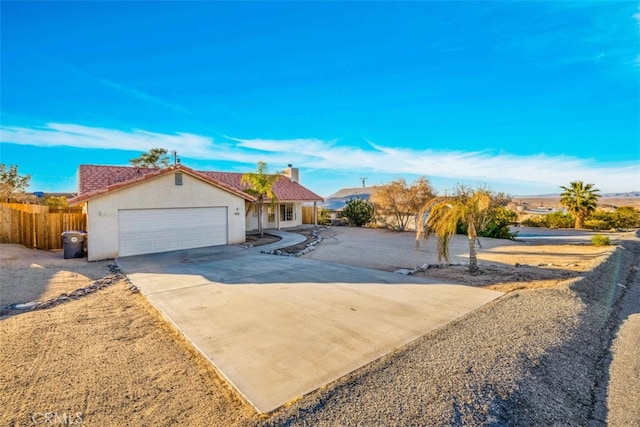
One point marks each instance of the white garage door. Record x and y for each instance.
(145, 231)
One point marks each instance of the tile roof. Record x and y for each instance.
(94, 180)
(285, 189)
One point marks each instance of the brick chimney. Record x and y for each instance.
(292, 173)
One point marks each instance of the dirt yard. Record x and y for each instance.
(506, 265)
(109, 359)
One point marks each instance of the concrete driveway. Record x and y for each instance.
(277, 327)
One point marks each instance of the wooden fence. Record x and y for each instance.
(26, 207)
(33, 227)
(307, 214)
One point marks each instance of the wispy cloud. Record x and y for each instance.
(80, 73)
(563, 34)
(143, 96)
(479, 166)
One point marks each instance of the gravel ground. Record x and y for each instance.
(534, 357)
(562, 355)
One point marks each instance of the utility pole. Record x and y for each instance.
(176, 160)
(364, 179)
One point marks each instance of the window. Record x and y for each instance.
(286, 212)
(178, 177)
(271, 214)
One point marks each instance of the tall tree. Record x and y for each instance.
(155, 158)
(442, 215)
(260, 184)
(12, 184)
(580, 199)
(401, 202)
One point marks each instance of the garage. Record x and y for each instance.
(143, 231)
(133, 211)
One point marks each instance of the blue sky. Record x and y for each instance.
(520, 96)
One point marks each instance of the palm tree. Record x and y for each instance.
(580, 199)
(260, 184)
(441, 217)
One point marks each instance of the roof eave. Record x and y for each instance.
(177, 168)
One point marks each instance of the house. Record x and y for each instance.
(337, 201)
(132, 211)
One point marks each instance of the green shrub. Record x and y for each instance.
(359, 212)
(498, 226)
(556, 219)
(600, 240)
(559, 220)
(626, 217)
(56, 202)
(622, 217)
(600, 220)
(597, 224)
(533, 221)
(324, 216)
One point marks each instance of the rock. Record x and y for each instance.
(26, 305)
(403, 271)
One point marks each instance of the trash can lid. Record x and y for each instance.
(73, 232)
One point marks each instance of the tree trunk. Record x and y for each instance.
(579, 222)
(260, 230)
(473, 257)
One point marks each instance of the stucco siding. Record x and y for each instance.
(102, 211)
(252, 217)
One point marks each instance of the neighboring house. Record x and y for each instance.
(337, 201)
(132, 211)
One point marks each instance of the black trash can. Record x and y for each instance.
(73, 243)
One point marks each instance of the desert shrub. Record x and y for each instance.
(597, 224)
(559, 220)
(600, 240)
(626, 217)
(553, 220)
(622, 217)
(359, 212)
(533, 221)
(56, 202)
(497, 224)
(600, 220)
(398, 203)
(324, 216)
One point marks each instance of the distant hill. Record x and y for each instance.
(606, 200)
(557, 196)
(621, 195)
